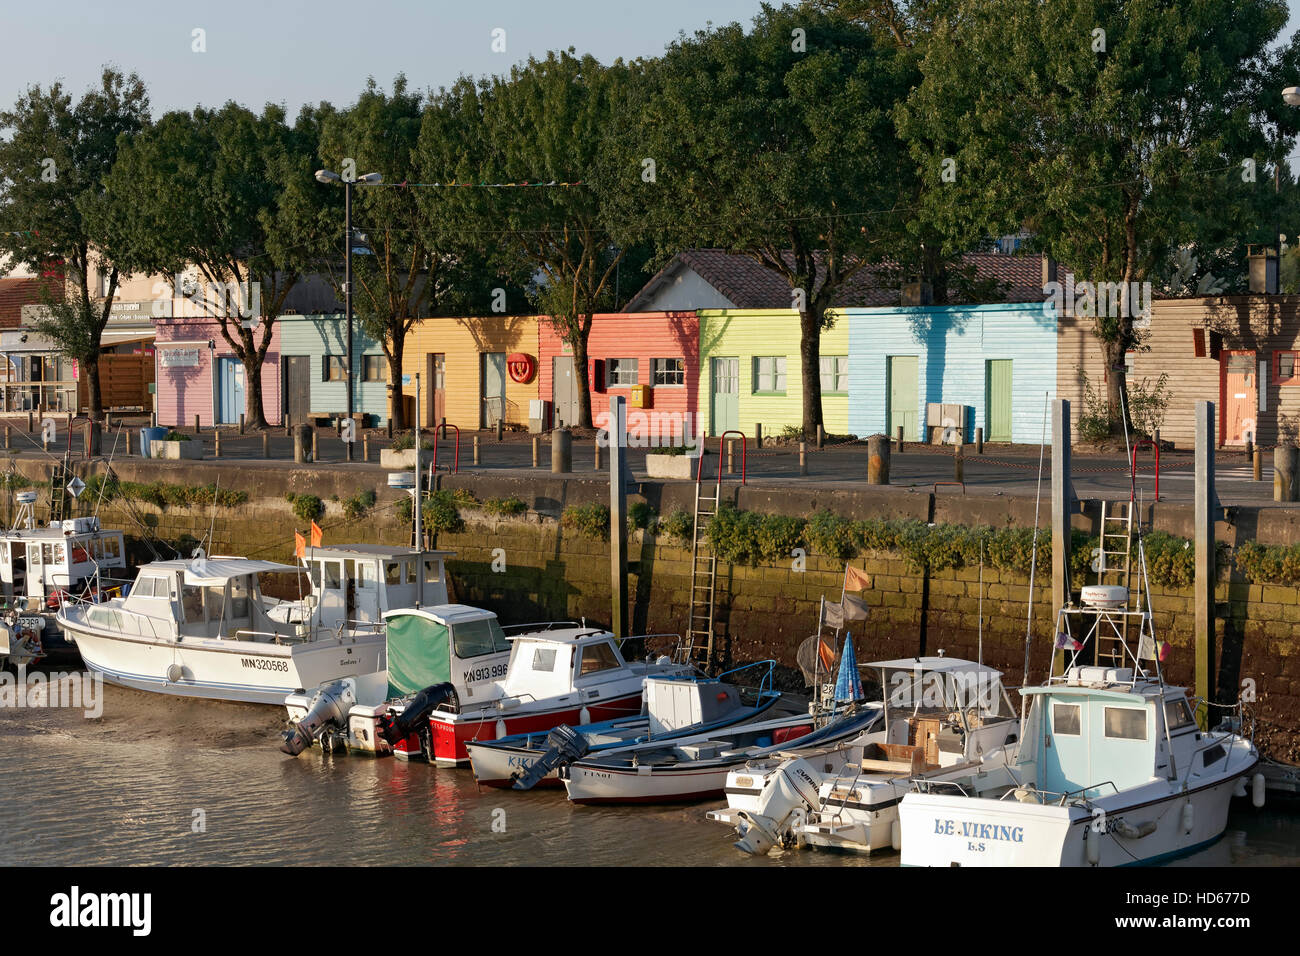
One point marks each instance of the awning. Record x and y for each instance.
(210, 572)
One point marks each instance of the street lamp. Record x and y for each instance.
(369, 179)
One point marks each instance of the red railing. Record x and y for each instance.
(722, 443)
(444, 426)
(1143, 443)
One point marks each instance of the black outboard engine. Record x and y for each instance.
(564, 746)
(417, 712)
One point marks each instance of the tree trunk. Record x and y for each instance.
(254, 410)
(94, 397)
(584, 385)
(810, 361)
(397, 407)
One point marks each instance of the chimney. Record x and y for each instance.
(1263, 269)
(1049, 269)
(917, 293)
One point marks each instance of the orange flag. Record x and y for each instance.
(299, 545)
(827, 654)
(317, 536)
(855, 580)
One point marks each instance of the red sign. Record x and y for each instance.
(521, 366)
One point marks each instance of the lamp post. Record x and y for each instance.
(370, 179)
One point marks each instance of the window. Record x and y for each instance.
(769, 373)
(835, 374)
(239, 598)
(332, 367)
(476, 638)
(670, 371)
(1126, 723)
(215, 599)
(333, 575)
(620, 372)
(1065, 719)
(393, 573)
(372, 368)
(544, 659)
(1284, 368)
(192, 604)
(598, 657)
(1177, 714)
(366, 575)
(431, 575)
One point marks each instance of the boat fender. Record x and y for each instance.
(1028, 794)
(1239, 787)
(584, 716)
(1092, 845)
(1130, 832)
(896, 835)
(1188, 817)
(175, 672)
(1257, 790)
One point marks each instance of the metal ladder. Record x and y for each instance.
(1115, 567)
(704, 575)
(59, 490)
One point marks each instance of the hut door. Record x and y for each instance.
(297, 387)
(998, 398)
(493, 394)
(564, 391)
(904, 398)
(1237, 378)
(436, 375)
(725, 376)
(231, 400)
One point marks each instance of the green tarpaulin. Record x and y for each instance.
(418, 654)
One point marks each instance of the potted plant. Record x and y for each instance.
(401, 454)
(673, 462)
(176, 445)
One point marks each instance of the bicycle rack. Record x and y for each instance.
(456, 463)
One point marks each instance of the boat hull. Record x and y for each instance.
(591, 785)
(237, 671)
(943, 830)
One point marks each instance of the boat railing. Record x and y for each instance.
(1059, 797)
(924, 785)
(1239, 708)
(273, 637)
(537, 627)
(765, 684)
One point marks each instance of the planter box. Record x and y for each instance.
(671, 466)
(176, 449)
(397, 460)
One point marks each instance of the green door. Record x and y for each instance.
(997, 413)
(904, 399)
(725, 375)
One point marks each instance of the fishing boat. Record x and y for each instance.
(940, 714)
(233, 628)
(676, 705)
(41, 567)
(696, 767)
(1113, 769)
(456, 676)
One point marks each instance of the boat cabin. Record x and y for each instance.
(446, 643)
(559, 662)
(36, 562)
(358, 582)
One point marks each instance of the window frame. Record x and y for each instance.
(330, 363)
(378, 363)
(779, 380)
(1278, 378)
(679, 372)
(843, 375)
(613, 365)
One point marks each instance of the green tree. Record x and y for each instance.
(54, 160)
(546, 122)
(777, 144)
(1114, 130)
(212, 198)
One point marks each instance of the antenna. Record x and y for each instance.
(1033, 556)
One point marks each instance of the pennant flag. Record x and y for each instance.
(850, 608)
(855, 580)
(1064, 642)
(827, 654)
(299, 545)
(848, 686)
(317, 536)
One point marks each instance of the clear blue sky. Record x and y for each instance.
(294, 52)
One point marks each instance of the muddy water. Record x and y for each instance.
(162, 780)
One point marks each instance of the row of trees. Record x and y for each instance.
(827, 138)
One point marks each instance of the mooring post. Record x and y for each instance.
(197, 426)
(8, 443)
(216, 443)
(501, 429)
(315, 454)
(597, 444)
(758, 434)
(958, 461)
(979, 441)
(618, 513)
(1062, 504)
(537, 450)
(821, 437)
(365, 447)
(1203, 588)
(803, 458)
(266, 444)
(475, 451)
(126, 433)
(1257, 464)
(878, 460)
(30, 422)
(241, 423)
(899, 449)
(561, 452)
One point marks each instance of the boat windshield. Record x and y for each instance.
(476, 638)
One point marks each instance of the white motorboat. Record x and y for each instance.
(224, 628)
(41, 567)
(1113, 769)
(941, 714)
(455, 676)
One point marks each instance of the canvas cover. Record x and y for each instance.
(419, 654)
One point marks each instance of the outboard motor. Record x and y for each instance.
(790, 792)
(564, 746)
(417, 712)
(330, 706)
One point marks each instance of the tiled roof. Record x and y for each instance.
(14, 294)
(751, 286)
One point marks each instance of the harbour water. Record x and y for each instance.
(163, 781)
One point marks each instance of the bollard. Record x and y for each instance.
(476, 450)
(597, 444)
(958, 462)
(288, 426)
(821, 437)
(8, 443)
(561, 452)
(390, 427)
(29, 422)
(501, 429)
(899, 449)
(216, 443)
(758, 435)
(803, 458)
(241, 423)
(1284, 472)
(537, 450)
(347, 451)
(1258, 465)
(127, 433)
(731, 456)
(1250, 449)
(196, 423)
(878, 460)
(442, 428)
(979, 441)
(266, 444)
(365, 448)
(301, 443)
(315, 454)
